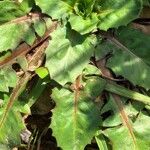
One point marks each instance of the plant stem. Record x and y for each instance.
(117, 89)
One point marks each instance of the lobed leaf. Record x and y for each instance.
(84, 26)
(119, 135)
(86, 16)
(76, 116)
(68, 54)
(56, 9)
(129, 59)
(10, 10)
(113, 14)
(15, 32)
(136, 41)
(121, 124)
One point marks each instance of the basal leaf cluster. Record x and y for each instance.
(86, 63)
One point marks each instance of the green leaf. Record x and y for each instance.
(120, 138)
(22, 107)
(114, 119)
(13, 33)
(84, 7)
(36, 92)
(56, 9)
(101, 141)
(94, 85)
(119, 115)
(76, 115)
(11, 129)
(22, 61)
(10, 10)
(84, 20)
(8, 78)
(28, 35)
(136, 41)
(119, 90)
(122, 121)
(26, 5)
(85, 15)
(114, 13)
(3, 86)
(19, 30)
(83, 25)
(130, 59)
(68, 54)
(40, 27)
(131, 110)
(42, 72)
(91, 70)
